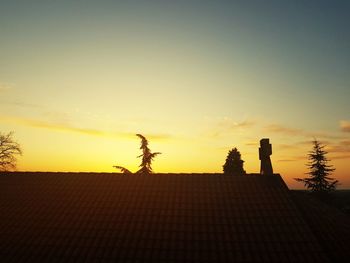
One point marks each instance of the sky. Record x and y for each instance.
(78, 80)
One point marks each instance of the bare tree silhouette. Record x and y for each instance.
(147, 158)
(319, 171)
(8, 149)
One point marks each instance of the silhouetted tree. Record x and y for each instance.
(8, 149)
(147, 158)
(234, 163)
(319, 180)
(123, 169)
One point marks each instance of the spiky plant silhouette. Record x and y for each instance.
(123, 169)
(147, 158)
(319, 180)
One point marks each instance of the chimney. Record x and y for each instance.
(265, 151)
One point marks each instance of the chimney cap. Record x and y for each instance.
(265, 140)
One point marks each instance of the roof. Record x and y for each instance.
(89, 217)
(329, 224)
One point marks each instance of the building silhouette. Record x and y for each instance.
(92, 217)
(109, 217)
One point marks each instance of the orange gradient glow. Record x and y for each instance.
(77, 82)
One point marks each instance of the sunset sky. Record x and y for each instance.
(78, 80)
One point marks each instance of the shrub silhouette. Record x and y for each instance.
(319, 180)
(8, 149)
(147, 158)
(234, 163)
(123, 169)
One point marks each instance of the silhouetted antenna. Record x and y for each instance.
(265, 151)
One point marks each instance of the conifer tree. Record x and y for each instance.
(319, 180)
(147, 158)
(234, 163)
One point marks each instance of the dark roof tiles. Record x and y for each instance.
(164, 217)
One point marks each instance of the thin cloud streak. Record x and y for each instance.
(345, 142)
(338, 149)
(344, 125)
(251, 144)
(276, 128)
(5, 87)
(324, 135)
(72, 129)
(341, 157)
(51, 126)
(231, 124)
(226, 126)
(160, 136)
(286, 160)
(287, 146)
(21, 104)
(281, 129)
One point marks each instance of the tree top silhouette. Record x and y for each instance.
(319, 180)
(147, 158)
(8, 149)
(234, 163)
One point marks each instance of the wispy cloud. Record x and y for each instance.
(341, 157)
(81, 130)
(56, 117)
(309, 142)
(277, 128)
(5, 87)
(21, 104)
(324, 136)
(229, 123)
(293, 158)
(251, 143)
(226, 126)
(51, 126)
(157, 136)
(299, 145)
(290, 131)
(284, 146)
(286, 160)
(345, 142)
(344, 125)
(338, 148)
